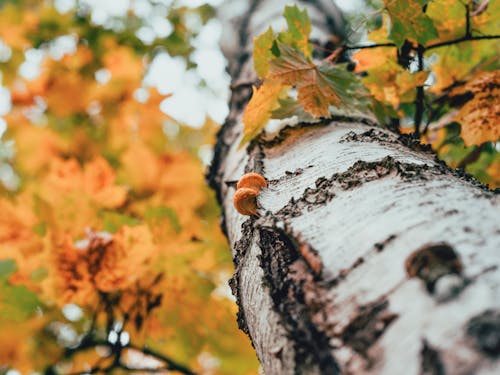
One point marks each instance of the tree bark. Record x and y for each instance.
(370, 256)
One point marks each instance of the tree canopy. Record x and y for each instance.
(110, 247)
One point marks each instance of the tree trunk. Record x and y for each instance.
(369, 255)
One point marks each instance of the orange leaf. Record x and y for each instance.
(99, 181)
(479, 116)
(318, 86)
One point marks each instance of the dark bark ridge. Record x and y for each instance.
(296, 291)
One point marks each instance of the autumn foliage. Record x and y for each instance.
(111, 255)
(429, 68)
(103, 213)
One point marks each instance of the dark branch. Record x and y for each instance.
(419, 100)
(472, 157)
(463, 39)
(436, 45)
(172, 365)
(467, 21)
(142, 369)
(368, 46)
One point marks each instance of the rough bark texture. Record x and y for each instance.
(370, 256)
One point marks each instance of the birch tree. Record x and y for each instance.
(367, 254)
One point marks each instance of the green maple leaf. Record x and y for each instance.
(410, 22)
(299, 28)
(289, 107)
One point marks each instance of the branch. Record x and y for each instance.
(142, 369)
(368, 46)
(467, 21)
(436, 45)
(481, 8)
(172, 365)
(463, 39)
(472, 157)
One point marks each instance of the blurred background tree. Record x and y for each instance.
(111, 256)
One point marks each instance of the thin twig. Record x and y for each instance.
(368, 46)
(333, 56)
(481, 8)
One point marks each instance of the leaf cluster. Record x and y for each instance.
(429, 65)
(285, 66)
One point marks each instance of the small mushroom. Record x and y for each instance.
(248, 188)
(253, 181)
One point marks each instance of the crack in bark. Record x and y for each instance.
(288, 175)
(380, 246)
(369, 324)
(256, 159)
(289, 130)
(412, 143)
(371, 135)
(359, 173)
(384, 138)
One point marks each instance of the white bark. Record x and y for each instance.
(370, 256)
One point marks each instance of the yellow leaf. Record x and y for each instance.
(381, 35)
(140, 167)
(258, 111)
(448, 17)
(392, 84)
(407, 84)
(367, 59)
